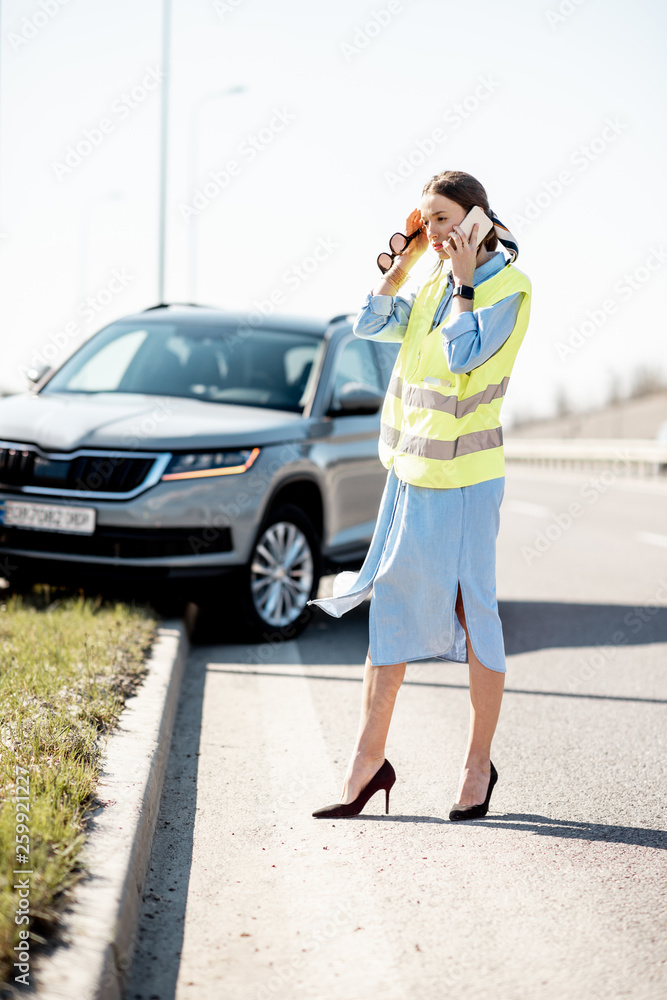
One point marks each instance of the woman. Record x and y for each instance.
(431, 563)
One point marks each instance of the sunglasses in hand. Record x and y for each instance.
(397, 244)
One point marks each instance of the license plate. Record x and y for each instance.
(48, 517)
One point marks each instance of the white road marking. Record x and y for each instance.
(651, 539)
(530, 509)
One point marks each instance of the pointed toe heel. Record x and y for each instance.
(475, 812)
(382, 779)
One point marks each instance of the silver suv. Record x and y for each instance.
(192, 452)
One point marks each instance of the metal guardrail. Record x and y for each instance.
(630, 456)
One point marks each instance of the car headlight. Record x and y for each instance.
(215, 463)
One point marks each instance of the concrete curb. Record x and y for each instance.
(95, 946)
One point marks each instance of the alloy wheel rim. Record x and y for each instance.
(281, 574)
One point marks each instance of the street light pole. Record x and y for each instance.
(164, 132)
(1, 192)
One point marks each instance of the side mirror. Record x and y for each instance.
(357, 398)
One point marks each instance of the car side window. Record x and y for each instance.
(356, 364)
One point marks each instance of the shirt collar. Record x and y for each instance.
(486, 270)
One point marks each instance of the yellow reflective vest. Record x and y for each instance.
(439, 429)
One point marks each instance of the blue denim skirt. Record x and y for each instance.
(426, 543)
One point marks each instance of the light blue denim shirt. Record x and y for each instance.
(470, 340)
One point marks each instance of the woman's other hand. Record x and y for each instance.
(406, 260)
(419, 245)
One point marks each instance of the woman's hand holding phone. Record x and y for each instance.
(463, 254)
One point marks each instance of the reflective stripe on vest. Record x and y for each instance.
(441, 429)
(414, 395)
(443, 451)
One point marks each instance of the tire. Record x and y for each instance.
(267, 599)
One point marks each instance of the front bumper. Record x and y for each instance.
(185, 529)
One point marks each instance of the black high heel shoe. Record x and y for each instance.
(475, 812)
(384, 778)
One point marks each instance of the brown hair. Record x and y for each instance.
(466, 191)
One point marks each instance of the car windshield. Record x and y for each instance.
(245, 365)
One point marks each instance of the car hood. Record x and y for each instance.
(66, 421)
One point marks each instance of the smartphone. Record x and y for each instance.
(477, 214)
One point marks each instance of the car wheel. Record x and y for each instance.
(266, 600)
(282, 576)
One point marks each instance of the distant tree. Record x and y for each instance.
(615, 395)
(645, 381)
(563, 408)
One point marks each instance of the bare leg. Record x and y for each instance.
(486, 693)
(380, 688)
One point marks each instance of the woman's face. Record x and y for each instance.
(440, 215)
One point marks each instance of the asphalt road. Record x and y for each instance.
(558, 893)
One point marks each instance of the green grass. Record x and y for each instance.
(66, 669)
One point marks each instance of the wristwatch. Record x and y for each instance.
(465, 291)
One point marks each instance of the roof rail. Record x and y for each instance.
(164, 305)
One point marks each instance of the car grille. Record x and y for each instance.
(121, 543)
(86, 472)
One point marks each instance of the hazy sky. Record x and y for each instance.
(308, 130)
